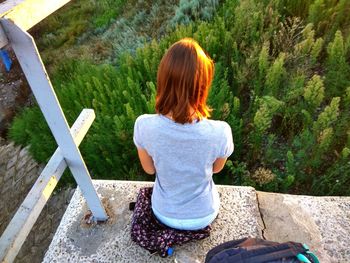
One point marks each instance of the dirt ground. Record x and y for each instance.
(14, 93)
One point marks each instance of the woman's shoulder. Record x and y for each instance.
(217, 124)
(146, 117)
(218, 129)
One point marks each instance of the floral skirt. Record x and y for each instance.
(148, 232)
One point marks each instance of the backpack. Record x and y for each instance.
(255, 250)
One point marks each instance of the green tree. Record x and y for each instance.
(269, 106)
(275, 76)
(314, 93)
(328, 117)
(316, 50)
(337, 69)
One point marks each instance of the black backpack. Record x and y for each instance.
(255, 250)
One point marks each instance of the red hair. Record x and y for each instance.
(184, 77)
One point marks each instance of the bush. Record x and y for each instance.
(192, 10)
(282, 83)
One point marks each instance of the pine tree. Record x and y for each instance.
(347, 97)
(303, 144)
(325, 139)
(262, 67)
(246, 31)
(264, 60)
(235, 120)
(328, 116)
(275, 76)
(305, 46)
(314, 92)
(291, 170)
(316, 50)
(263, 117)
(262, 120)
(316, 11)
(338, 71)
(324, 132)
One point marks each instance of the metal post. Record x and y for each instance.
(34, 70)
(18, 229)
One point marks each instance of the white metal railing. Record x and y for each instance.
(17, 16)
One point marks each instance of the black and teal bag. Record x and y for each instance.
(255, 250)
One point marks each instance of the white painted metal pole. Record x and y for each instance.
(34, 70)
(18, 229)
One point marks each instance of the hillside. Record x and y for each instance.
(282, 82)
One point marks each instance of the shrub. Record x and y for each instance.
(314, 92)
(275, 76)
(188, 11)
(328, 116)
(281, 82)
(335, 181)
(338, 70)
(263, 176)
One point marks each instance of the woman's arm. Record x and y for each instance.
(219, 164)
(146, 161)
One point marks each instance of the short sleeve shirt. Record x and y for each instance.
(183, 155)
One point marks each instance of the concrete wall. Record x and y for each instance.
(18, 172)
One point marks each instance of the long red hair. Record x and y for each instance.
(184, 77)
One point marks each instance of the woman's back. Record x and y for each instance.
(183, 156)
(179, 143)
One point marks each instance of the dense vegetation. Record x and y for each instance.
(282, 82)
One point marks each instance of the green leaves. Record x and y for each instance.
(282, 82)
(328, 116)
(263, 117)
(314, 92)
(316, 50)
(338, 70)
(188, 11)
(275, 76)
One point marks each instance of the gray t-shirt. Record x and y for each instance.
(183, 155)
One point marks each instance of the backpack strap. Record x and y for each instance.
(267, 254)
(227, 245)
(258, 254)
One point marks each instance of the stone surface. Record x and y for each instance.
(323, 223)
(110, 242)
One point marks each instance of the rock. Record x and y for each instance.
(323, 223)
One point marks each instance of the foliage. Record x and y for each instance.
(77, 17)
(102, 31)
(263, 176)
(335, 181)
(275, 75)
(328, 16)
(314, 93)
(237, 173)
(262, 120)
(188, 11)
(293, 8)
(338, 70)
(281, 81)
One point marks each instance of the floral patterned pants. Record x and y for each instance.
(151, 234)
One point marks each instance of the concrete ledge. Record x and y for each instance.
(239, 217)
(323, 223)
